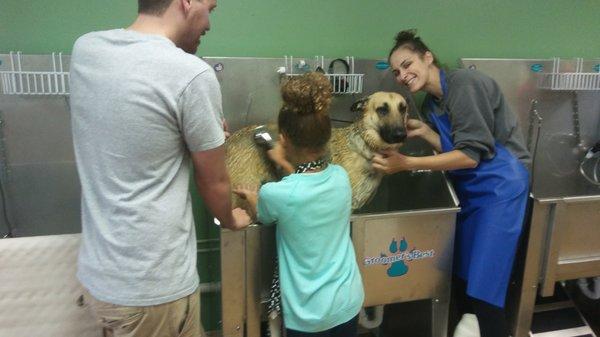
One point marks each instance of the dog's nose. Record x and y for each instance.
(399, 135)
(393, 135)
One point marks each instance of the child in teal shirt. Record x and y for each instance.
(321, 287)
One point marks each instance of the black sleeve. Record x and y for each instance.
(471, 115)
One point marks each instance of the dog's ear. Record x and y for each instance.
(359, 105)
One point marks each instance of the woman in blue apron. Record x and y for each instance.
(481, 148)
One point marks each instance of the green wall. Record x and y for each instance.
(273, 28)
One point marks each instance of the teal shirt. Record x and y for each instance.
(320, 282)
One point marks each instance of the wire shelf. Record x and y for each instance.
(342, 83)
(577, 80)
(20, 82)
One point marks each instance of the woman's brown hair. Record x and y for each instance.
(409, 39)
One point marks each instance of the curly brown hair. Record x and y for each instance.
(304, 116)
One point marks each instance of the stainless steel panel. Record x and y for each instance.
(556, 227)
(557, 156)
(581, 236)
(408, 191)
(41, 176)
(536, 246)
(253, 281)
(404, 280)
(251, 93)
(233, 285)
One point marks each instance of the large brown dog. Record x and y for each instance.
(381, 126)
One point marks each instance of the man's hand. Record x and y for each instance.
(225, 128)
(241, 219)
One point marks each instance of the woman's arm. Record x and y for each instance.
(391, 161)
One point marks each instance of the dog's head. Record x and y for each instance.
(384, 119)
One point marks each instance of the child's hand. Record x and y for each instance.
(246, 192)
(249, 193)
(277, 155)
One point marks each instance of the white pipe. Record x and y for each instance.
(584, 287)
(367, 323)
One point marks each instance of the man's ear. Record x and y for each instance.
(186, 5)
(359, 105)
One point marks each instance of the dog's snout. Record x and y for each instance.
(393, 135)
(399, 135)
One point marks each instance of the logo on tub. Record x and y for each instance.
(400, 255)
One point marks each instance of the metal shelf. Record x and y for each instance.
(577, 80)
(342, 84)
(17, 81)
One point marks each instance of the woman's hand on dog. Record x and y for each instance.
(390, 161)
(416, 128)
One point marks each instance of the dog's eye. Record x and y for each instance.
(402, 107)
(383, 110)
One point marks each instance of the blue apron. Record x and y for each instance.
(493, 198)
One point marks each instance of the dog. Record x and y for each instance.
(381, 126)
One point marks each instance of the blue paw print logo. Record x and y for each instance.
(397, 268)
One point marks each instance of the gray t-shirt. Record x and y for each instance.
(139, 104)
(480, 116)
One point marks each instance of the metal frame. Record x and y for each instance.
(555, 251)
(430, 278)
(17, 81)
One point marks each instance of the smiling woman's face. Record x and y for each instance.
(411, 68)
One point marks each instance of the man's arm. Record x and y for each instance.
(212, 181)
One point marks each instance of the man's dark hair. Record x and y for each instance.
(154, 7)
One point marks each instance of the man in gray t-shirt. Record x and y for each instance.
(144, 109)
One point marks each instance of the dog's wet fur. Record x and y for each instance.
(382, 126)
